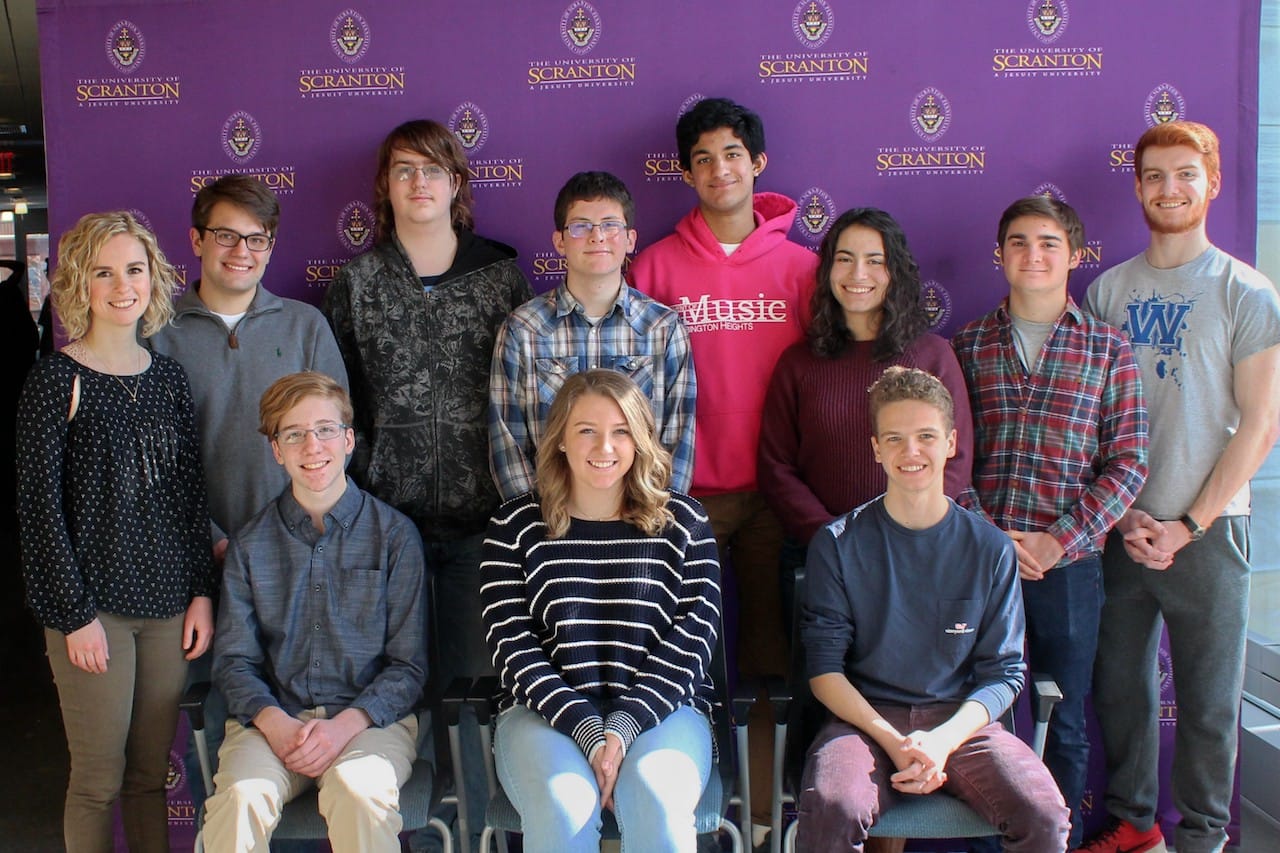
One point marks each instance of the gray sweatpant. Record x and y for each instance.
(1203, 598)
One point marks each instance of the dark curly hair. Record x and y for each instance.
(904, 318)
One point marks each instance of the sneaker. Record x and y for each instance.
(1120, 836)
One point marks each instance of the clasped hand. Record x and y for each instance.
(921, 760)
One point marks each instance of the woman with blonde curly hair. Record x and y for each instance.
(602, 606)
(115, 538)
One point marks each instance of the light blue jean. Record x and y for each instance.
(553, 788)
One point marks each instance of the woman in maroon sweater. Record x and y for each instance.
(816, 461)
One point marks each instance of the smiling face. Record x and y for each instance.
(860, 279)
(1037, 256)
(421, 200)
(1175, 189)
(316, 468)
(599, 449)
(722, 172)
(229, 276)
(913, 444)
(119, 282)
(595, 255)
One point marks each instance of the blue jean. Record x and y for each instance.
(1203, 598)
(552, 786)
(1063, 610)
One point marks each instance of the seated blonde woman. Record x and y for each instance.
(601, 608)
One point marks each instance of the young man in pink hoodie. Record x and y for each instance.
(740, 287)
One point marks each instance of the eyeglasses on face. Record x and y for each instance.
(609, 229)
(430, 173)
(324, 432)
(226, 237)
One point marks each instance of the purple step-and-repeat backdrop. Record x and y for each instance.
(941, 113)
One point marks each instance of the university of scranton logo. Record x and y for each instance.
(1047, 22)
(1157, 323)
(817, 210)
(1163, 105)
(1048, 19)
(350, 39)
(240, 136)
(349, 36)
(580, 27)
(469, 123)
(126, 48)
(355, 226)
(812, 21)
(937, 304)
(930, 114)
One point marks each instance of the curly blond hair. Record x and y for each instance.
(78, 251)
(644, 494)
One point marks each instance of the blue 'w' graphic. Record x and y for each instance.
(1156, 324)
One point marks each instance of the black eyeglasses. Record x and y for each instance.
(226, 237)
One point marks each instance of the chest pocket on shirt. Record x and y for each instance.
(957, 627)
(360, 608)
(638, 367)
(550, 374)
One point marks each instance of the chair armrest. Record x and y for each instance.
(780, 696)
(454, 698)
(1046, 694)
(745, 693)
(480, 698)
(192, 704)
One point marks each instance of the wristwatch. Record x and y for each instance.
(1193, 527)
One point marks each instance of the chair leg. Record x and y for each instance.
(735, 835)
(789, 838)
(459, 790)
(446, 835)
(485, 837)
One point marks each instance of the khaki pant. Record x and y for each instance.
(359, 793)
(119, 728)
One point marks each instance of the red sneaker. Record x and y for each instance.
(1120, 836)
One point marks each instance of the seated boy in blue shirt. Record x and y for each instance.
(913, 633)
(321, 641)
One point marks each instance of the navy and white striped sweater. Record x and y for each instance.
(604, 629)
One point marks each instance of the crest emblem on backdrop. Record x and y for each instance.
(580, 27)
(1048, 19)
(126, 47)
(349, 35)
(241, 136)
(930, 114)
(812, 22)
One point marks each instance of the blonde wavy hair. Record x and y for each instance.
(78, 251)
(644, 494)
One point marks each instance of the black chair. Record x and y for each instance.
(799, 715)
(728, 786)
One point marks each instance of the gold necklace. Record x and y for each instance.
(137, 376)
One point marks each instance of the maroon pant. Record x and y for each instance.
(846, 784)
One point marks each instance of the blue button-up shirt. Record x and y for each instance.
(334, 619)
(549, 338)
